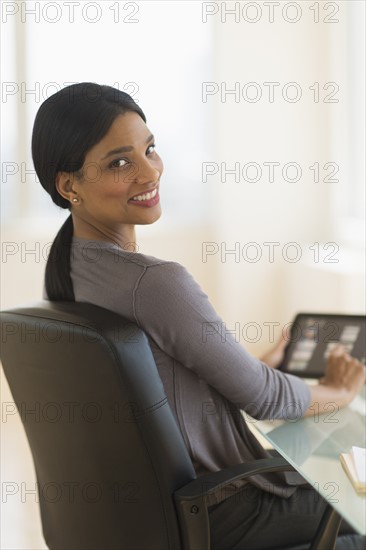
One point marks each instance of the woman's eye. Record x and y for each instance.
(121, 163)
(118, 163)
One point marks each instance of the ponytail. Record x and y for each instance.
(58, 279)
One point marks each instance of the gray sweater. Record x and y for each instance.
(209, 378)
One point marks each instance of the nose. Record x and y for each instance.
(147, 172)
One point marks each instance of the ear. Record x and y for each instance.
(65, 185)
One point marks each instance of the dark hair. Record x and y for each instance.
(68, 124)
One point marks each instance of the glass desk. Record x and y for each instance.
(313, 445)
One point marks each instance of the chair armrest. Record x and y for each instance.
(190, 500)
(209, 483)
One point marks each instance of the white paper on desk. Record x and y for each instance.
(359, 460)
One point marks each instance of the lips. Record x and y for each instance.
(145, 196)
(151, 198)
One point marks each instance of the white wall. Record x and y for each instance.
(305, 212)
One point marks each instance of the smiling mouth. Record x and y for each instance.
(146, 199)
(145, 196)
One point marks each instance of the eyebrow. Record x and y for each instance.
(126, 149)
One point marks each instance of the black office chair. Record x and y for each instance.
(112, 469)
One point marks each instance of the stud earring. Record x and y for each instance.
(75, 199)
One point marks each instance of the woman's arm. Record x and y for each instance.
(176, 314)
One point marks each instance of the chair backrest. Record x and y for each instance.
(107, 450)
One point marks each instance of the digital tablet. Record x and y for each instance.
(313, 336)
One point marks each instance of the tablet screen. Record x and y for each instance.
(314, 336)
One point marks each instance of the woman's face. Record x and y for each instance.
(120, 177)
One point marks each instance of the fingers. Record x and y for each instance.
(354, 369)
(340, 355)
(338, 351)
(343, 370)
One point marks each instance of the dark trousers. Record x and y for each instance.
(253, 519)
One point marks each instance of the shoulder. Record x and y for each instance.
(103, 253)
(172, 275)
(169, 286)
(90, 251)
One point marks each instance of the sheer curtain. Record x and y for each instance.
(158, 52)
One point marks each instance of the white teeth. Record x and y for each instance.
(146, 196)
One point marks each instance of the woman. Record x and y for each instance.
(95, 155)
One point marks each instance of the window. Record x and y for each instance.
(107, 43)
(351, 198)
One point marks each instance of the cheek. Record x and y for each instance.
(116, 192)
(101, 192)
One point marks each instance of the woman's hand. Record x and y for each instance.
(343, 379)
(275, 356)
(344, 372)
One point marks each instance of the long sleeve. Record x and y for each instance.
(171, 307)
